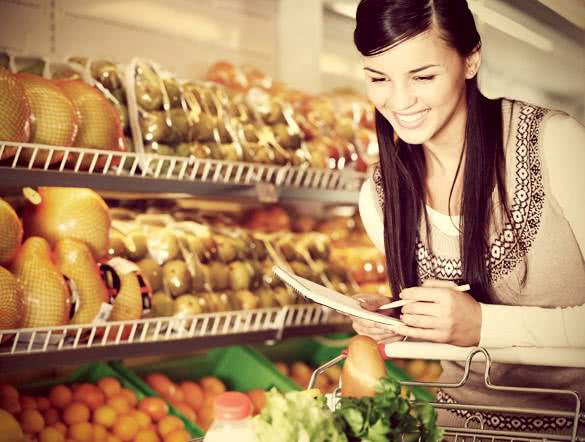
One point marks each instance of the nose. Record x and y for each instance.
(401, 98)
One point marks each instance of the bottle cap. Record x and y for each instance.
(232, 405)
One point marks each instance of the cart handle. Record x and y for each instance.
(544, 356)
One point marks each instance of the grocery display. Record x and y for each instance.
(97, 275)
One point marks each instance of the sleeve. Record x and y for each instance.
(563, 148)
(369, 214)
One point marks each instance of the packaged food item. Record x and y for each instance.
(232, 418)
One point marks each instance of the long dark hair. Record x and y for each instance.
(380, 25)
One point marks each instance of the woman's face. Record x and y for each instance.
(419, 87)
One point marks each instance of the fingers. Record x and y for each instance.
(438, 283)
(424, 334)
(420, 321)
(371, 302)
(422, 308)
(420, 294)
(374, 330)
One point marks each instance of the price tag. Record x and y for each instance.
(266, 193)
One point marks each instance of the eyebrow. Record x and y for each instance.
(413, 71)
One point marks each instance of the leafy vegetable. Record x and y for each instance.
(297, 416)
(387, 416)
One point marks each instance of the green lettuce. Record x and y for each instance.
(387, 417)
(297, 416)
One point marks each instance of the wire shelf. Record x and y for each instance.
(29, 341)
(93, 162)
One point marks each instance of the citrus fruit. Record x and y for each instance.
(105, 415)
(81, 432)
(75, 413)
(51, 434)
(193, 394)
(155, 407)
(11, 430)
(60, 396)
(169, 423)
(126, 428)
(119, 402)
(110, 386)
(32, 420)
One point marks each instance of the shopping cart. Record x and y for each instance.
(475, 429)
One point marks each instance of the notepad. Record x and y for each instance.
(330, 298)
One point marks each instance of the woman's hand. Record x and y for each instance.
(442, 315)
(381, 333)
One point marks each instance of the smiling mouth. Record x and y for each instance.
(411, 119)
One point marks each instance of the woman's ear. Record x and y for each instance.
(472, 63)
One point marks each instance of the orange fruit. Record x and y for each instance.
(43, 403)
(186, 410)
(119, 402)
(143, 419)
(89, 394)
(51, 434)
(81, 432)
(177, 436)
(32, 420)
(155, 407)
(131, 396)
(205, 417)
(126, 428)
(51, 416)
(10, 404)
(99, 433)
(193, 394)
(27, 401)
(258, 398)
(8, 391)
(11, 430)
(60, 396)
(161, 384)
(110, 386)
(60, 426)
(105, 415)
(75, 413)
(147, 436)
(211, 384)
(112, 438)
(168, 424)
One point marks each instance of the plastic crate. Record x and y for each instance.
(316, 351)
(92, 373)
(238, 367)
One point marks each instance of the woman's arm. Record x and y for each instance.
(563, 150)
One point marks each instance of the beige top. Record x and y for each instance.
(548, 247)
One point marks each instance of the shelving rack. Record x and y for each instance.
(132, 172)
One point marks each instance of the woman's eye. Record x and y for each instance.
(427, 78)
(376, 79)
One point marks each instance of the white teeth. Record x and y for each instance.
(412, 118)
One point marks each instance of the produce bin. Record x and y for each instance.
(238, 367)
(92, 373)
(319, 350)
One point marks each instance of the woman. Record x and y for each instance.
(471, 190)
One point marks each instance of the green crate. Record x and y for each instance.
(238, 367)
(319, 350)
(92, 373)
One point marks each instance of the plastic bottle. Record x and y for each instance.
(232, 419)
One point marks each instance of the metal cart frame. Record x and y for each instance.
(525, 356)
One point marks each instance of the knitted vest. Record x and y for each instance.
(538, 246)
